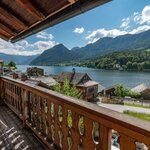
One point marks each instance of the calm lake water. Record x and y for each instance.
(105, 77)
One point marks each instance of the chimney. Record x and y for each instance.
(73, 70)
(24, 77)
(15, 75)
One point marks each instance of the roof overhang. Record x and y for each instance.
(22, 18)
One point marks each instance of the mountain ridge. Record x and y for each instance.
(18, 59)
(60, 55)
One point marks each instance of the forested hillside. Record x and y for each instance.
(131, 60)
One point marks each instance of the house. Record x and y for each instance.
(82, 81)
(34, 71)
(109, 91)
(144, 90)
(1, 66)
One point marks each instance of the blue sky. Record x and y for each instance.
(117, 17)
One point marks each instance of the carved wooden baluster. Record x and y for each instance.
(32, 109)
(49, 119)
(75, 130)
(13, 96)
(35, 109)
(88, 142)
(43, 117)
(16, 102)
(46, 118)
(60, 115)
(53, 122)
(65, 129)
(57, 124)
(38, 109)
(24, 106)
(105, 138)
(126, 143)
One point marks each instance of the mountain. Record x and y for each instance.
(56, 55)
(60, 54)
(18, 59)
(121, 43)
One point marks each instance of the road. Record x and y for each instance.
(121, 108)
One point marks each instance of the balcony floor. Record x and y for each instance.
(13, 135)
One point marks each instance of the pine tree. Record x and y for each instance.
(57, 88)
(66, 88)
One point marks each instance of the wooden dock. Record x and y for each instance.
(12, 134)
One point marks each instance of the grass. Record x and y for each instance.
(142, 116)
(136, 105)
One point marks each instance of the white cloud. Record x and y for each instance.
(44, 35)
(140, 29)
(43, 45)
(125, 23)
(100, 33)
(25, 48)
(79, 30)
(138, 18)
(145, 15)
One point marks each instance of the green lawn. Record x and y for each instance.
(138, 115)
(135, 105)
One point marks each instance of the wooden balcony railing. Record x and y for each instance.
(66, 123)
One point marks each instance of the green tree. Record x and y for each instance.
(74, 92)
(12, 64)
(122, 91)
(57, 88)
(119, 90)
(68, 89)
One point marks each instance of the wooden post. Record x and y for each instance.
(24, 106)
(0, 91)
(1, 67)
(105, 138)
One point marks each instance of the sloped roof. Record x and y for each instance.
(88, 83)
(110, 87)
(49, 81)
(71, 77)
(22, 18)
(140, 88)
(100, 88)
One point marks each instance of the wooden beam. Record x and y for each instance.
(60, 16)
(9, 16)
(26, 4)
(4, 37)
(7, 29)
(72, 1)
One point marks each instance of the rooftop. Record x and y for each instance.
(73, 78)
(140, 88)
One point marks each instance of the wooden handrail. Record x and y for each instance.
(65, 122)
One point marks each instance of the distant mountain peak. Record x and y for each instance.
(60, 54)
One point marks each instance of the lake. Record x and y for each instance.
(105, 77)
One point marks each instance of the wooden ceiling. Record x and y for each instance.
(21, 18)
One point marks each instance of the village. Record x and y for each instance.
(90, 90)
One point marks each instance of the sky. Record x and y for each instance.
(112, 19)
